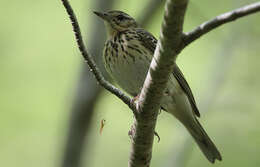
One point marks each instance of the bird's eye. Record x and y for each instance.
(120, 17)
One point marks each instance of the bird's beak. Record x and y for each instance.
(104, 16)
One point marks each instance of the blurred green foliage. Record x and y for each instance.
(39, 67)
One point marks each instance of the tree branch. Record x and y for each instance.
(218, 21)
(85, 97)
(88, 58)
(155, 83)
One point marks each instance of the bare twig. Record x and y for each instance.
(218, 21)
(88, 58)
(85, 97)
(155, 83)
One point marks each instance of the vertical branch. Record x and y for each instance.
(155, 83)
(88, 91)
(218, 75)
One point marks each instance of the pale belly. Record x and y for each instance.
(129, 74)
(126, 65)
(128, 68)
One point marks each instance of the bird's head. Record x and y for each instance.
(116, 21)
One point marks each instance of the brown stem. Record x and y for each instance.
(155, 83)
(88, 58)
(85, 97)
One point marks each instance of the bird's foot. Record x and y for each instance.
(134, 99)
(157, 135)
(160, 111)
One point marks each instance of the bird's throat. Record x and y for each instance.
(111, 32)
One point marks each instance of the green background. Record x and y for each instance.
(39, 68)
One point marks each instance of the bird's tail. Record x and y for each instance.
(204, 142)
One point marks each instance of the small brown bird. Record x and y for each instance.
(127, 55)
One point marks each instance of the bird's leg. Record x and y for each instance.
(134, 99)
(157, 135)
(160, 111)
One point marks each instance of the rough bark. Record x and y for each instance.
(160, 69)
(88, 90)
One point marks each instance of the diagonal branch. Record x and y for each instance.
(218, 21)
(155, 83)
(88, 58)
(86, 94)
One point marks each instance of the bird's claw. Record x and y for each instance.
(134, 99)
(157, 135)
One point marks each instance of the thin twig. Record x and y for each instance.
(155, 83)
(218, 21)
(87, 93)
(88, 58)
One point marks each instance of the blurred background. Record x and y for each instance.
(51, 107)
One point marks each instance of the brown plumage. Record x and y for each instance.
(127, 55)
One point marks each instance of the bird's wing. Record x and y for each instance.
(186, 88)
(149, 41)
